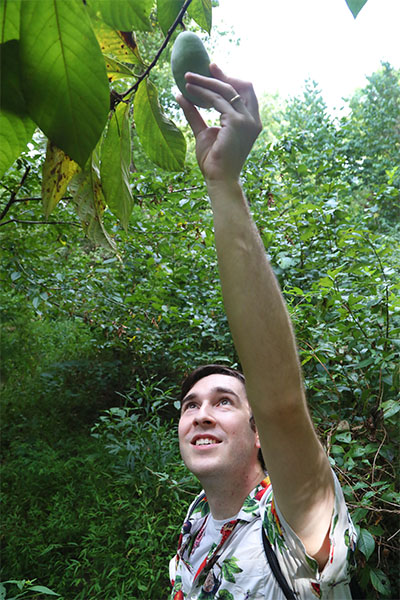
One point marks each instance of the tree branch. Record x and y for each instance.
(170, 31)
(40, 222)
(14, 193)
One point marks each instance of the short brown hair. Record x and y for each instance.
(205, 370)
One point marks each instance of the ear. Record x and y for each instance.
(258, 444)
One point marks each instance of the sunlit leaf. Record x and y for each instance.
(163, 142)
(122, 45)
(115, 164)
(89, 201)
(58, 170)
(116, 69)
(16, 128)
(64, 75)
(200, 11)
(125, 15)
(9, 20)
(167, 11)
(355, 6)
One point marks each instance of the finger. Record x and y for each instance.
(243, 88)
(214, 93)
(192, 115)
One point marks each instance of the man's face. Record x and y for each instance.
(215, 436)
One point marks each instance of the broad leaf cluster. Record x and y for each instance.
(75, 71)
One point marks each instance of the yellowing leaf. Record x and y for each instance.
(89, 201)
(58, 170)
(116, 69)
(119, 44)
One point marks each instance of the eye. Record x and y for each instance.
(225, 401)
(188, 406)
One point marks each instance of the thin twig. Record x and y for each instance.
(373, 509)
(376, 456)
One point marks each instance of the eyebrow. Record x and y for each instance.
(215, 390)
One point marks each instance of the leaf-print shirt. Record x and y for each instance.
(230, 563)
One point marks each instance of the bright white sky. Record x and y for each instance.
(284, 42)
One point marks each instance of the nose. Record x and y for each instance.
(204, 416)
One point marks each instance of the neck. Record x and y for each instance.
(226, 494)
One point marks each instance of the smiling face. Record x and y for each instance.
(215, 436)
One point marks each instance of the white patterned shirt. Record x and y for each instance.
(230, 563)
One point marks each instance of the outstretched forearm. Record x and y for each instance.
(256, 311)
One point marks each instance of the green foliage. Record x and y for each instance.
(66, 66)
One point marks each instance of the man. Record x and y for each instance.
(221, 551)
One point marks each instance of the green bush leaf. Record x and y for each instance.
(64, 75)
(43, 589)
(355, 6)
(125, 15)
(200, 11)
(161, 139)
(365, 543)
(115, 164)
(380, 581)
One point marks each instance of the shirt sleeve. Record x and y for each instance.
(301, 570)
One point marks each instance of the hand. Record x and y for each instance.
(222, 151)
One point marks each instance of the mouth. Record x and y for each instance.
(203, 441)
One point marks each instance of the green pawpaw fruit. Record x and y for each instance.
(189, 54)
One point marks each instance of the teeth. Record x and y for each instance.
(205, 441)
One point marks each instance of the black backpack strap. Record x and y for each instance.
(275, 568)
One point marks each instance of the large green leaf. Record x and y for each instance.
(125, 15)
(115, 164)
(355, 6)
(16, 128)
(167, 11)
(9, 20)
(64, 75)
(163, 142)
(201, 12)
(89, 201)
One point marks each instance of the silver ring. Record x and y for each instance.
(232, 100)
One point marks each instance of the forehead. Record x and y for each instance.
(218, 383)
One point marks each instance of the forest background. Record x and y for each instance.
(110, 293)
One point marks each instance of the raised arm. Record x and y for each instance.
(257, 315)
